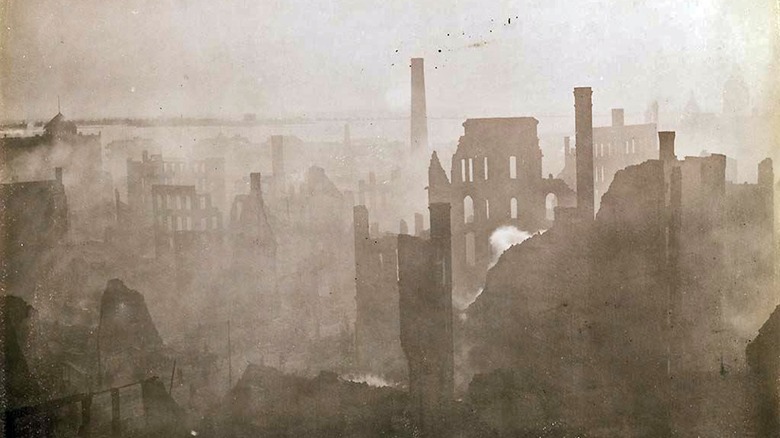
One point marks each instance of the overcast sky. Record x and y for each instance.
(350, 57)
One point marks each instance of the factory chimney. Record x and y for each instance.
(419, 118)
(583, 122)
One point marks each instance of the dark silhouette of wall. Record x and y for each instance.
(425, 289)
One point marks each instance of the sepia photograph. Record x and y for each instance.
(373, 218)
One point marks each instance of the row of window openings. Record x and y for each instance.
(468, 209)
(179, 202)
(467, 168)
(180, 167)
(605, 149)
(185, 223)
(201, 184)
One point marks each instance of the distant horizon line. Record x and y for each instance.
(240, 121)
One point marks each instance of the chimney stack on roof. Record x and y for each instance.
(666, 146)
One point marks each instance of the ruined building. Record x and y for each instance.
(425, 308)
(206, 175)
(377, 329)
(128, 344)
(613, 148)
(80, 156)
(34, 217)
(180, 208)
(763, 355)
(496, 180)
(641, 313)
(254, 249)
(59, 145)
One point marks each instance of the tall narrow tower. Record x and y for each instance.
(419, 122)
(583, 123)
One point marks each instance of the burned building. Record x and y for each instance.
(35, 221)
(128, 344)
(59, 145)
(614, 147)
(496, 180)
(206, 175)
(648, 285)
(180, 208)
(254, 248)
(80, 156)
(377, 330)
(763, 355)
(425, 309)
(119, 151)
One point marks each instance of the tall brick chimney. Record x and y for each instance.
(618, 117)
(583, 122)
(666, 146)
(419, 117)
(58, 174)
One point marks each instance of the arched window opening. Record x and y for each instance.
(471, 170)
(485, 167)
(487, 209)
(463, 169)
(513, 167)
(468, 209)
(550, 202)
(513, 208)
(471, 252)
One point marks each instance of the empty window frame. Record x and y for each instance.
(468, 210)
(513, 167)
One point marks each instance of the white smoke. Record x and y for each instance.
(464, 304)
(369, 379)
(504, 238)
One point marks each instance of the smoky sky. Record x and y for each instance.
(281, 58)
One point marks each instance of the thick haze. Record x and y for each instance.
(144, 58)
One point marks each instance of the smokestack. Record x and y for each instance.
(583, 122)
(618, 117)
(58, 174)
(666, 146)
(419, 121)
(403, 228)
(566, 145)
